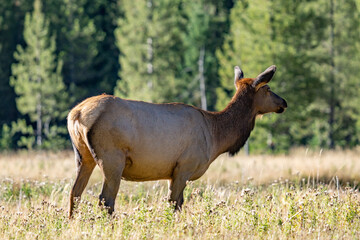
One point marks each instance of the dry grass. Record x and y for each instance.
(40, 166)
(271, 197)
(318, 166)
(261, 169)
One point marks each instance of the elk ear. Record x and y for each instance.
(264, 77)
(238, 75)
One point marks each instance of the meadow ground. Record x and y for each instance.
(303, 195)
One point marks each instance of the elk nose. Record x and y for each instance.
(284, 104)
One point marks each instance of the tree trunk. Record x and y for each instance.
(71, 53)
(149, 42)
(38, 121)
(247, 148)
(202, 78)
(332, 78)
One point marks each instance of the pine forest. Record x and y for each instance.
(56, 53)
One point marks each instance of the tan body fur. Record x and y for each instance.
(140, 141)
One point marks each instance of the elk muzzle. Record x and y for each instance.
(282, 106)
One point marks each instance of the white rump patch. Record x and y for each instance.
(76, 127)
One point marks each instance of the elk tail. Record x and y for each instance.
(79, 132)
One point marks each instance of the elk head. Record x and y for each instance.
(265, 101)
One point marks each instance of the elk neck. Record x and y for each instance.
(231, 127)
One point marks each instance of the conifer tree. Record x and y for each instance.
(149, 39)
(314, 43)
(318, 49)
(11, 26)
(195, 40)
(248, 45)
(341, 72)
(104, 14)
(281, 33)
(37, 76)
(206, 23)
(76, 41)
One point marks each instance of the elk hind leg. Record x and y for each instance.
(85, 165)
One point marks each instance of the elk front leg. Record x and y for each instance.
(176, 188)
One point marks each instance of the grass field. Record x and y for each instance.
(303, 195)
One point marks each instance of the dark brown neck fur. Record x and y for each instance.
(232, 126)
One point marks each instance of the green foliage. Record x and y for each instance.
(150, 50)
(105, 14)
(76, 41)
(149, 40)
(56, 138)
(27, 138)
(296, 37)
(6, 136)
(11, 27)
(132, 38)
(248, 44)
(37, 76)
(347, 60)
(17, 135)
(198, 15)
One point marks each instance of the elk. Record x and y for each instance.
(141, 141)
